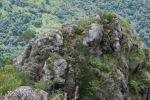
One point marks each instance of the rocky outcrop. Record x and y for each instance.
(58, 71)
(93, 38)
(26, 93)
(99, 56)
(33, 58)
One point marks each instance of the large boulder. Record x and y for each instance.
(26, 93)
(37, 51)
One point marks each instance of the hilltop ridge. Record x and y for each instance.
(96, 58)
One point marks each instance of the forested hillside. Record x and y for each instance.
(17, 16)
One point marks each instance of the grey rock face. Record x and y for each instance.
(133, 32)
(69, 27)
(146, 93)
(96, 16)
(139, 66)
(93, 38)
(58, 71)
(37, 51)
(27, 93)
(119, 95)
(109, 88)
(94, 35)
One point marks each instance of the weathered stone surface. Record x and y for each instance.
(58, 71)
(146, 93)
(37, 51)
(27, 93)
(94, 35)
(96, 16)
(139, 66)
(69, 27)
(119, 95)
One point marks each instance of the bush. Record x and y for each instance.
(134, 86)
(78, 31)
(25, 77)
(26, 36)
(8, 81)
(42, 84)
(109, 16)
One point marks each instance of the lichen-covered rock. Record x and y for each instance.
(69, 27)
(58, 70)
(119, 95)
(37, 51)
(93, 38)
(26, 93)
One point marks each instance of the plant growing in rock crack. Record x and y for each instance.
(50, 66)
(50, 63)
(54, 55)
(56, 80)
(105, 16)
(42, 84)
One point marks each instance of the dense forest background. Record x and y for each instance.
(17, 16)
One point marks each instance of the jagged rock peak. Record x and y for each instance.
(95, 58)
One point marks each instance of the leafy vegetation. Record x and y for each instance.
(18, 16)
(8, 81)
(26, 36)
(40, 16)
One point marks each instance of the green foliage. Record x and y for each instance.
(104, 16)
(134, 87)
(85, 24)
(4, 62)
(50, 66)
(59, 94)
(42, 84)
(66, 37)
(109, 16)
(146, 51)
(82, 49)
(25, 77)
(56, 80)
(54, 55)
(18, 16)
(123, 22)
(26, 36)
(38, 23)
(136, 55)
(84, 82)
(102, 62)
(78, 31)
(147, 65)
(8, 81)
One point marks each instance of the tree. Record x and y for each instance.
(26, 36)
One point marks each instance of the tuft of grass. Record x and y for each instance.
(109, 16)
(84, 24)
(56, 80)
(50, 66)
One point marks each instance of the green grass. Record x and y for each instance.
(136, 55)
